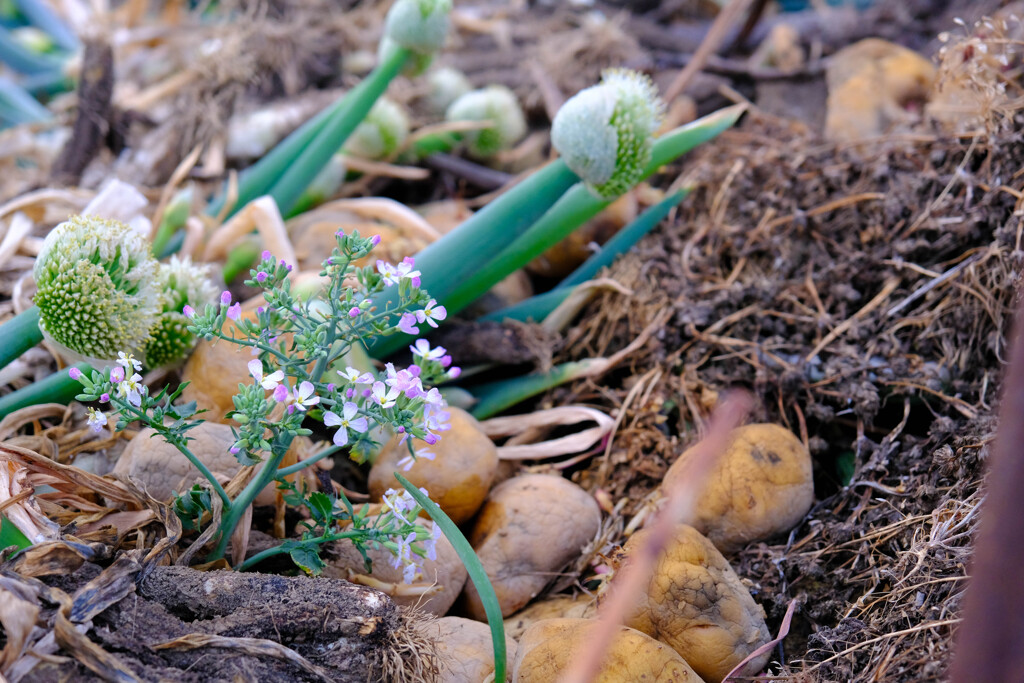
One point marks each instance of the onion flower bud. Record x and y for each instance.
(605, 133)
(497, 104)
(418, 25)
(97, 288)
(382, 132)
(182, 283)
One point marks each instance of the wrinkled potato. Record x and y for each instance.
(459, 476)
(558, 607)
(547, 648)
(446, 574)
(530, 527)
(696, 604)
(161, 469)
(465, 651)
(760, 486)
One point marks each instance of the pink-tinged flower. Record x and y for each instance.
(96, 420)
(269, 382)
(280, 393)
(431, 312)
(128, 362)
(234, 450)
(407, 324)
(74, 373)
(235, 311)
(454, 373)
(375, 240)
(410, 573)
(304, 397)
(423, 350)
(415, 370)
(354, 312)
(188, 312)
(430, 545)
(267, 256)
(445, 361)
(433, 398)
(403, 380)
(131, 389)
(387, 272)
(355, 377)
(397, 503)
(104, 397)
(261, 277)
(116, 375)
(225, 298)
(408, 461)
(345, 422)
(402, 552)
(431, 438)
(384, 397)
(405, 270)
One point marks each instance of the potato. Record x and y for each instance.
(760, 486)
(459, 476)
(529, 528)
(696, 604)
(465, 651)
(446, 573)
(558, 607)
(161, 469)
(547, 648)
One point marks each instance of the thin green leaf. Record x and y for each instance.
(11, 535)
(494, 397)
(476, 572)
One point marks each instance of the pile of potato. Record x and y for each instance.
(696, 621)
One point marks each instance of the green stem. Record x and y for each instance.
(279, 550)
(241, 503)
(18, 106)
(56, 388)
(19, 334)
(303, 464)
(357, 103)
(498, 396)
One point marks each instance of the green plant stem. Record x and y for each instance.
(357, 103)
(303, 464)
(18, 106)
(233, 513)
(279, 550)
(19, 334)
(540, 306)
(503, 394)
(476, 571)
(56, 388)
(454, 257)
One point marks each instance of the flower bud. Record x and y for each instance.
(605, 132)
(382, 132)
(418, 25)
(445, 85)
(496, 104)
(184, 288)
(97, 289)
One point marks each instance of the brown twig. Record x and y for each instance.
(712, 41)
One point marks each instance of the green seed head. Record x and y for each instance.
(382, 132)
(181, 282)
(418, 25)
(497, 104)
(605, 133)
(97, 288)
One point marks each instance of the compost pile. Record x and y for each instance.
(859, 288)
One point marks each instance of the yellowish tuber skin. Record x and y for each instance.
(547, 648)
(761, 486)
(459, 476)
(559, 607)
(434, 592)
(161, 469)
(465, 651)
(530, 527)
(696, 604)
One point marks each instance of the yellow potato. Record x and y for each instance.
(530, 527)
(161, 469)
(558, 607)
(547, 648)
(446, 574)
(459, 476)
(465, 651)
(696, 604)
(760, 486)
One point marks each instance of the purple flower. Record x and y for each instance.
(454, 373)
(260, 310)
(261, 276)
(408, 324)
(74, 373)
(266, 255)
(431, 312)
(353, 312)
(225, 298)
(235, 311)
(446, 360)
(375, 240)
(104, 397)
(188, 312)
(280, 393)
(431, 438)
(330, 386)
(117, 375)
